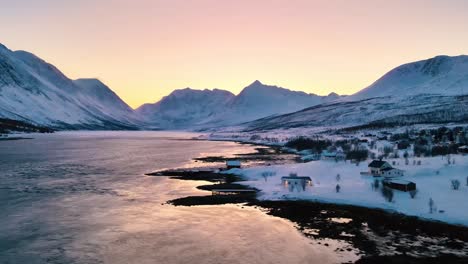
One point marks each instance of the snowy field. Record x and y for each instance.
(433, 180)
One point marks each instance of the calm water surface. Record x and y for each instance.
(82, 197)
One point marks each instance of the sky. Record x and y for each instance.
(144, 49)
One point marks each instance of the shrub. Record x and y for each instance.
(255, 137)
(387, 194)
(359, 154)
(387, 150)
(404, 144)
(302, 143)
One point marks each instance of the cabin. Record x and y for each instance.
(391, 172)
(376, 167)
(233, 164)
(400, 185)
(296, 182)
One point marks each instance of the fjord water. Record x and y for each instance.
(82, 197)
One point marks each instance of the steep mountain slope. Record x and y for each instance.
(189, 108)
(439, 75)
(373, 112)
(428, 91)
(105, 101)
(185, 107)
(35, 91)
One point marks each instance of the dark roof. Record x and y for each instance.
(377, 163)
(401, 182)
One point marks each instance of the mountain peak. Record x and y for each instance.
(255, 83)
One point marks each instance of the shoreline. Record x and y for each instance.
(377, 233)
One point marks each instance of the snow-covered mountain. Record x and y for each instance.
(35, 91)
(258, 100)
(213, 108)
(373, 112)
(428, 91)
(185, 108)
(439, 75)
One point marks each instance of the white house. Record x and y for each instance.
(391, 172)
(376, 167)
(296, 182)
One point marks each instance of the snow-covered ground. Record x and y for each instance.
(433, 180)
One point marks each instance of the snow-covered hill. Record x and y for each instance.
(428, 91)
(373, 112)
(35, 91)
(190, 108)
(185, 108)
(439, 75)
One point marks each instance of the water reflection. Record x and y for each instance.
(83, 198)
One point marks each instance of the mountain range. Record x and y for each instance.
(188, 108)
(36, 92)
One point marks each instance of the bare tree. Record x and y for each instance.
(387, 194)
(376, 184)
(338, 188)
(455, 184)
(267, 174)
(431, 205)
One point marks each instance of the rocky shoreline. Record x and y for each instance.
(379, 235)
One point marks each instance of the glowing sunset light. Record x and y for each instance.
(144, 49)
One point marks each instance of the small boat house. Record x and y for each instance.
(401, 185)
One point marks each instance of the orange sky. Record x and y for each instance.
(144, 49)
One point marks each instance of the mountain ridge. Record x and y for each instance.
(254, 101)
(445, 75)
(33, 90)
